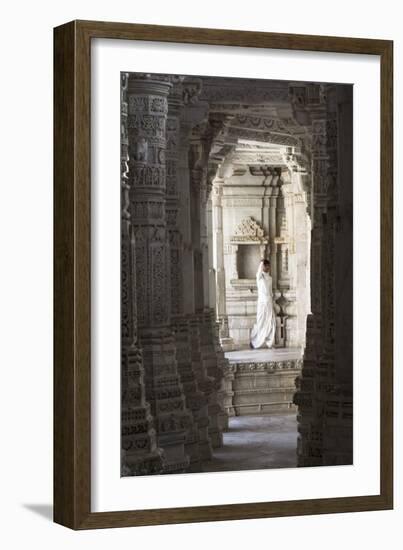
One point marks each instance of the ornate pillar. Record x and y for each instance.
(147, 118)
(197, 443)
(191, 115)
(344, 236)
(212, 286)
(207, 361)
(274, 191)
(307, 398)
(206, 317)
(276, 220)
(196, 178)
(218, 259)
(336, 365)
(217, 368)
(290, 293)
(140, 454)
(299, 216)
(284, 291)
(204, 198)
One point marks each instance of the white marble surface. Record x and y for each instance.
(262, 355)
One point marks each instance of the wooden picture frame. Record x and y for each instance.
(72, 319)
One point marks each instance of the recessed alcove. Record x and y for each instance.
(248, 257)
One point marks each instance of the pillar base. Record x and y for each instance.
(140, 454)
(175, 463)
(227, 344)
(165, 395)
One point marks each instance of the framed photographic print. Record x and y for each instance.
(223, 275)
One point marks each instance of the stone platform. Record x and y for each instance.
(261, 381)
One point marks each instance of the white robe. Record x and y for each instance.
(264, 330)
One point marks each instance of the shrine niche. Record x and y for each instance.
(249, 245)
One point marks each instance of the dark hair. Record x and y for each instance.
(266, 262)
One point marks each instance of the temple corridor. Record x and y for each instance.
(217, 174)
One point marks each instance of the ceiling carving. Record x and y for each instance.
(253, 122)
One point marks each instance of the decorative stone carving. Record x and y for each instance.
(191, 90)
(310, 444)
(140, 454)
(218, 263)
(260, 388)
(249, 231)
(198, 155)
(265, 137)
(263, 123)
(198, 444)
(254, 92)
(147, 121)
(325, 404)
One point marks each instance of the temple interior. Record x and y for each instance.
(217, 174)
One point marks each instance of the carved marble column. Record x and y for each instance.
(140, 454)
(199, 151)
(204, 213)
(196, 178)
(300, 253)
(289, 263)
(218, 259)
(274, 192)
(215, 355)
(308, 398)
(198, 444)
(212, 285)
(207, 361)
(283, 290)
(147, 119)
(336, 365)
(217, 369)
(191, 115)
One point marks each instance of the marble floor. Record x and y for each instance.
(262, 355)
(257, 442)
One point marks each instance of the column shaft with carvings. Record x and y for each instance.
(147, 118)
(289, 263)
(140, 454)
(207, 361)
(197, 444)
(280, 228)
(191, 115)
(218, 252)
(218, 363)
(274, 191)
(336, 365)
(324, 394)
(310, 405)
(212, 285)
(206, 317)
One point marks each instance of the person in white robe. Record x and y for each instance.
(264, 330)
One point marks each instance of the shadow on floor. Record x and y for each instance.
(44, 510)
